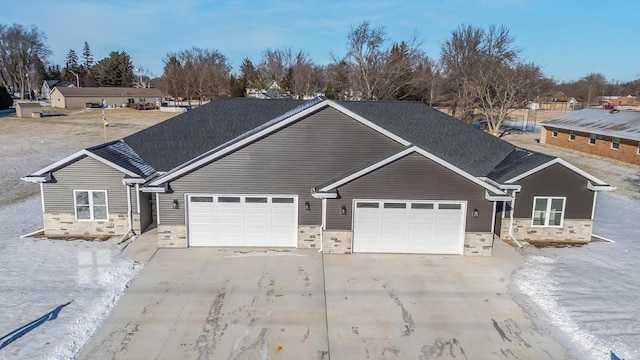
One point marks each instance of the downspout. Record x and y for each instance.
(324, 223)
(129, 215)
(513, 201)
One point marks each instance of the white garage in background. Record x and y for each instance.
(242, 220)
(412, 227)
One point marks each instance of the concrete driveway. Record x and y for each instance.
(261, 304)
(219, 304)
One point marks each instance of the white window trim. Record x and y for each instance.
(90, 195)
(554, 132)
(638, 150)
(572, 133)
(593, 137)
(612, 142)
(548, 211)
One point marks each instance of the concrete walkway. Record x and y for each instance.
(142, 249)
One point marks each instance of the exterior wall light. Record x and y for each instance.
(343, 210)
(175, 204)
(475, 213)
(307, 206)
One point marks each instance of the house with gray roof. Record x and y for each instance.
(79, 97)
(49, 85)
(337, 176)
(609, 133)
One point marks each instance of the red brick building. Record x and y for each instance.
(613, 134)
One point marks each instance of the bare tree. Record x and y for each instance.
(196, 73)
(19, 49)
(366, 51)
(467, 57)
(499, 88)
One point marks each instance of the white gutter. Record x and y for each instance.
(513, 201)
(593, 208)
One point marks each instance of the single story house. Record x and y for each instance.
(49, 85)
(338, 176)
(79, 97)
(609, 133)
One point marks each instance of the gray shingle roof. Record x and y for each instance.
(448, 138)
(518, 162)
(191, 136)
(175, 141)
(622, 124)
(122, 155)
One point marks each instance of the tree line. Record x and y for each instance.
(478, 71)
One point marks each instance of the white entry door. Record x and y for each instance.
(415, 227)
(242, 220)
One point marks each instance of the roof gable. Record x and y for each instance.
(265, 129)
(330, 186)
(461, 144)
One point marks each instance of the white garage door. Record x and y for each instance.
(251, 220)
(409, 227)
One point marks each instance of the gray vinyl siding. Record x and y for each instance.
(85, 174)
(291, 161)
(556, 180)
(413, 177)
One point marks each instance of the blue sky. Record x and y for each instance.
(568, 39)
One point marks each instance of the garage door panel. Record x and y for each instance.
(408, 227)
(252, 220)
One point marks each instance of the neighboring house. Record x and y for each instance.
(273, 91)
(49, 85)
(609, 133)
(79, 97)
(342, 177)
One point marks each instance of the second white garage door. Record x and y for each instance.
(416, 227)
(251, 220)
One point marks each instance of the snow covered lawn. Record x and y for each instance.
(591, 293)
(54, 294)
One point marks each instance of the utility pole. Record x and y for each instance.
(77, 77)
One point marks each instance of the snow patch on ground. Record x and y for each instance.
(55, 293)
(591, 293)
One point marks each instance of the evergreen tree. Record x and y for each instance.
(87, 57)
(115, 70)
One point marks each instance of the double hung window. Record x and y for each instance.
(91, 205)
(548, 211)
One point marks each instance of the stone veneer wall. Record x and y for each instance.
(66, 225)
(172, 236)
(336, 242)
(572, 231)
(478, 244)
(309, 237)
